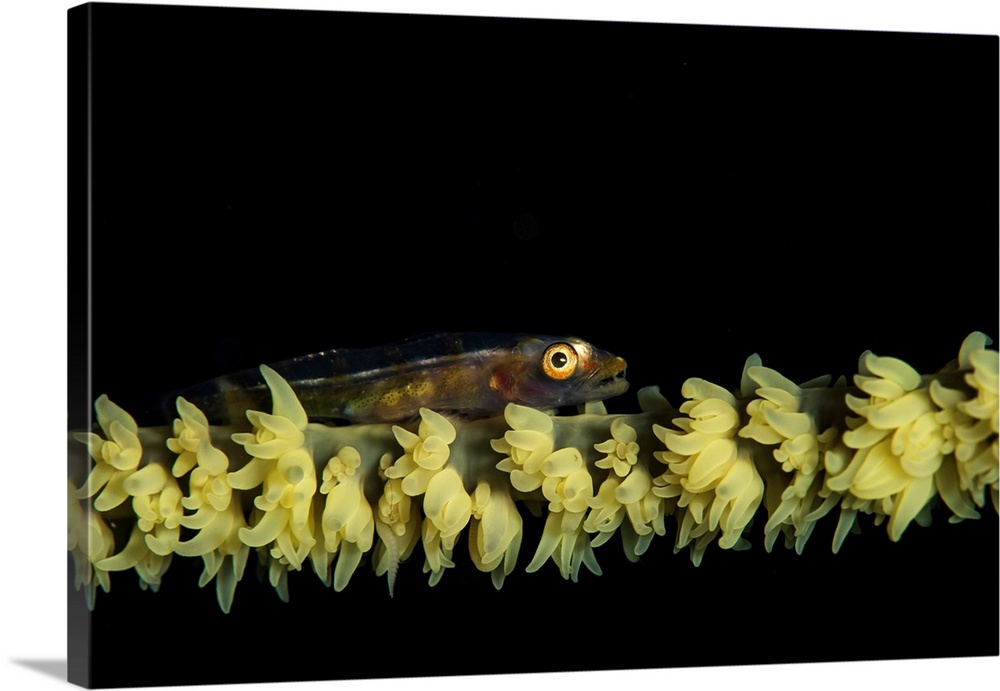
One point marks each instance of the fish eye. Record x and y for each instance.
(559, 360)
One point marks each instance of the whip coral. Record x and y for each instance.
(891, 443)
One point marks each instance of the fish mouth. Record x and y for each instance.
(612, 378)
(614, 382)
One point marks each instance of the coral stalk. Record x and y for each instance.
(893, 444)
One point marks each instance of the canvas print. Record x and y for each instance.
(491, 345)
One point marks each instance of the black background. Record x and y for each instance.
(267, 184)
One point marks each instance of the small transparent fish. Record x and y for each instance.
(470, 374)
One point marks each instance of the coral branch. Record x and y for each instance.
(894, 444)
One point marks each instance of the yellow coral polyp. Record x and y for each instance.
(116, 456)
(778, 419)
(626, 492)
(423, 472)
(210, 494)
(567, 484)
(447, 504)
(157, 505)
(190, 433)
(437, 552)
(568, 487)
(607, 511)
(136, 554)
(225, 562)
(643, 507)
(622, 450)
(287, 473)
(900, 442)
(526, 445)
(631, 497)
(286, 501)
(977, 447)
(395, 507)
(273, 435)
(348, 522)
(90, 541)
(397, 524)
(564, 541)
(217, 517)
(716, 484)
(495, 532)
(217, 531)
(289, 483)
(426, 451)
(983, 378)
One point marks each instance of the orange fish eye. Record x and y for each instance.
(560, 360)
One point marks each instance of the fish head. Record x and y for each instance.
(550, 372)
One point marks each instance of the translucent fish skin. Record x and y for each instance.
(471, 374)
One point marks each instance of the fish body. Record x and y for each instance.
(471, 374)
